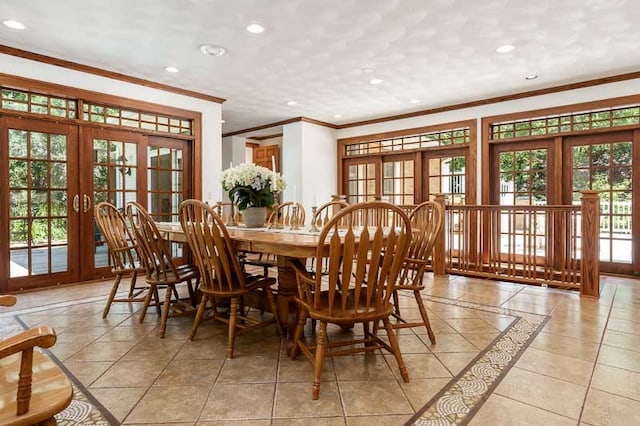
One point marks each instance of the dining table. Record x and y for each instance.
(287, 245)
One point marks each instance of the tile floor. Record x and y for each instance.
(583, 367)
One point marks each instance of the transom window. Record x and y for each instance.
(140, 120)
(411, 142)
(17, 100)
(565, 123)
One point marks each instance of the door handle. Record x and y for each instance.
(86, 203)
(76, 203)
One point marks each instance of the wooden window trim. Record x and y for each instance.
(471, 147)
(486, 123)
(82, 95)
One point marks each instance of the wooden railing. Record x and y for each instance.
(543, 245)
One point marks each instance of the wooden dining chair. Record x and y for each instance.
(123, 251)
(325, 212)
(33, 389)
(322, 216)
(161, 271)
(358, 285)
(427, 220)
(225, 210)
(281, 217)
(221, 274)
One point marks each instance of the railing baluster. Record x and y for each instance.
(529, 244)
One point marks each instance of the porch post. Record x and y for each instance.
(438, 256)
(590, 259)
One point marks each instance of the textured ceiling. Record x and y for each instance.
(317, 52)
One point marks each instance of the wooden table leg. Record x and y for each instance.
(287, 290)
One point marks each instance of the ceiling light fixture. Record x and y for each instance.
(16, 25)
(255, 28)
(531, 77)
(375, 81)
(505, 48)
(212, 50)
(414, 101)
(291, 103)
(222, 121)
(171, 69)
(337, 115)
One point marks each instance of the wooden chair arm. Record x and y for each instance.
(7, 300)
(43, 337)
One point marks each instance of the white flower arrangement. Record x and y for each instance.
(252, 186)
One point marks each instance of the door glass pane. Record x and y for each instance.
(115, 165)
(398, 182)
(607, 168)
(523, 177)
(38, 195)
(361, 182)
(447, 175)
(164, 175)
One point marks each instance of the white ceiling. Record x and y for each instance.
(316, 52)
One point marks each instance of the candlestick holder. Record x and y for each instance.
(231, 220)
(294, 219)
(275, 224)
(314, 226)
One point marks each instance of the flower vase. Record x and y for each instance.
(254, 217)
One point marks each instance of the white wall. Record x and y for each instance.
(291, 157)
(309, 164)
(211, 111)
(319, 171)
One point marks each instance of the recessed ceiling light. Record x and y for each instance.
(531, 77)
(291, 103)
(337, 115)
(171, 69)
(375, 81)
(211, 50)
(414, 101)
(16, 25)
(505, 48)
(222, 121)
(255, 28)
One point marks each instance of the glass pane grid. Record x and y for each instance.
(447, 176)
(523, 177)
(18, 100)
(410, 142)
(137, 119)
(573, 122)
(361, 182)
(607, 168)
(38, 202)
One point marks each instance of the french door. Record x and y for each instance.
(408, 179)
(554, 172)
(51, 179)
(40, 202)
(610, 164)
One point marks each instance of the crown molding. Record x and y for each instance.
(105, 73)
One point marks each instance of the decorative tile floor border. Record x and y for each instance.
(455, 404)
(462, 397)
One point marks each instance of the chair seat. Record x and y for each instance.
(185, 272)
(346, 316)
(418, 287)
(252, 282)
(51, 391)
